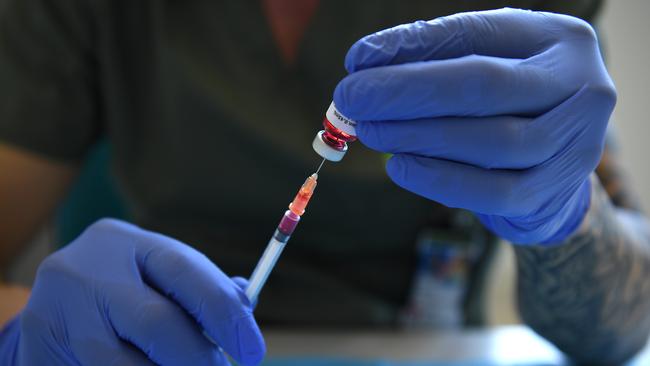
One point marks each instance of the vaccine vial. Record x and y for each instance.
(332, 142)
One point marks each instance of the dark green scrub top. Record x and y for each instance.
(211, 134)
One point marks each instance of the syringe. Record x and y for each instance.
(330, 144)
(281, 236)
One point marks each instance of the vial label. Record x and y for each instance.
(340, 121)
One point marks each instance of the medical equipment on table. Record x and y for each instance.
(331, 144)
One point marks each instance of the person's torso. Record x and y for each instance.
(212, 131)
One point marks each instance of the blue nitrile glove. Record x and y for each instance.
(120, 295)
(499, 112)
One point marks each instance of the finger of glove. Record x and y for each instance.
(468, 86)
(99, 343)
(561, 183)
(160, 328)
(206, 293)
(243, 284)
(583, 119)
(508, 33)
(457, 185)
(551, 224)
(122, 355)
(503, 142)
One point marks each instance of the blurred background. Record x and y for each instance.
(624, 32)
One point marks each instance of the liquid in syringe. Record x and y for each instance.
(280, 237)
(330, 144)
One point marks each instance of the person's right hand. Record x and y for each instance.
(120, 295)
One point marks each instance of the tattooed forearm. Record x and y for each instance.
(590, 296)
(612, 179)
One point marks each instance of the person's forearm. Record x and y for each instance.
(14, 299)
(590, 296)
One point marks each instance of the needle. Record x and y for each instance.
(320, 166)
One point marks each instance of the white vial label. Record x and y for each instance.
(340, 121)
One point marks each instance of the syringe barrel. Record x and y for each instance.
(271, 254)
(265, 265)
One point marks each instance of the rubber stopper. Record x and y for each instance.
(326, 151)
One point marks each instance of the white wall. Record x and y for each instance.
(626, 36)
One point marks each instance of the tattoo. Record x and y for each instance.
(613, 180)
(591, 295)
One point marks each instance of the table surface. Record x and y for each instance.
(510, 345)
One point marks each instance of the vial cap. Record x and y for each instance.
(325, 150)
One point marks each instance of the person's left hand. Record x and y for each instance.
(499, 112)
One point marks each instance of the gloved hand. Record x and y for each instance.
(119, 295)
(499, 112)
